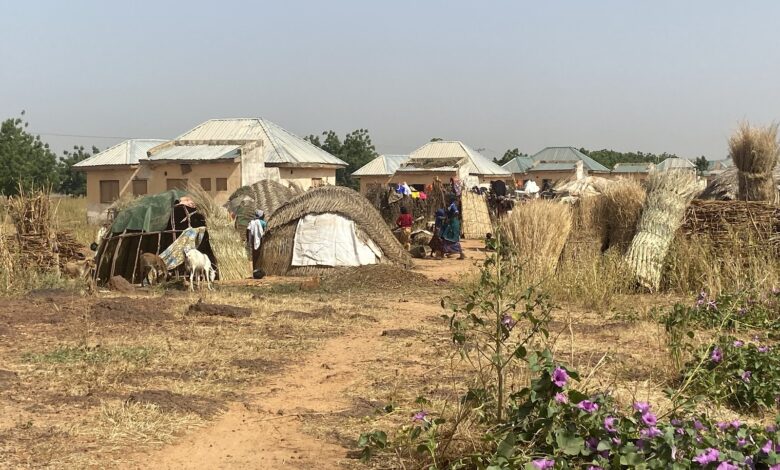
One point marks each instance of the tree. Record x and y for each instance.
(72, 181)
(24, 158)
(609, 158)
(508, 156)
(356, 150)
(702, 164)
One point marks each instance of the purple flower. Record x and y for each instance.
(775, 291)
(722, 425)
(675, 422)
(738, 344)
(680, 431)
(717, 355)
(561, 398)
(701, 299)
(642, 406)
(763, 349)
(736, 424)
(650, 432)
(711, 305)
(508, 321)
(746, 376)
(609, 424)
(594, 467)
(420, 416)
(768, 447)
(742, 311)
(616, 441)
(543, 464)
(775, 467)
(771, 428)
(727, 466)
(560, 377)
(649, 419)
(741, 442)
(588, 406)
(698, 426)
(592, 443)
(708, 456)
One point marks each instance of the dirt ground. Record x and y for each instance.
(257, 374)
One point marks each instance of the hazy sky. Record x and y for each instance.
(655, 76)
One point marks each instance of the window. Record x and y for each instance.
(139, 187)
(317, 182)
(221, 184)
(205, 183)
(173, 183)
(109, 191)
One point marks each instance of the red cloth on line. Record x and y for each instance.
(405, 221)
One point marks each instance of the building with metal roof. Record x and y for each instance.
(518, 165)
(637, 171)
(115, 171)
(379, 171)
(675, 163)
(555, 164)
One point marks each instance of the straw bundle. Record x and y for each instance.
(537, 230)
(725, 187)
(754, 152)
(265, 195)
(277, 247)
(669, 193)
(227, 244)
(588, 234)
(623, 201)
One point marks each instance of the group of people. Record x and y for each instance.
(446, 231)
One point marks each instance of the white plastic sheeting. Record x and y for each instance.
(331, 240)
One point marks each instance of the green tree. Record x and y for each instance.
(509, 155)
(72, 181)
(24, 158)
(356, 150)
(701, 164)
(609, 158)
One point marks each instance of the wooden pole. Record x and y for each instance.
(116, 251)
(137, 253)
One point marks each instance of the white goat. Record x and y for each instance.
(198, 264)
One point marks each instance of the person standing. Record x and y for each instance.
(404, 222)
(450, 235)
(254, 235)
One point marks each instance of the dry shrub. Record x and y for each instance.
(226, 243)
(698, 262)
(669, 194)
(593, 280)
(754, 151)
(622, 203)
(588, 233)
(538, 231)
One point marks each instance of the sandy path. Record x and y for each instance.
(265, 432)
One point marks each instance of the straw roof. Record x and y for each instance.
(276, 249)
(725, 186)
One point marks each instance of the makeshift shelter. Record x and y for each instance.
(151, 224)
(266, 195)
(327, 228)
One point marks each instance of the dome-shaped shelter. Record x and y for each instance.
(326, 228)
(267, 195)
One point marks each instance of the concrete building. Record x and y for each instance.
(554, 164)
(675, 163)
(636, 171)
(519, 167)
(379, 171)
(220, 154)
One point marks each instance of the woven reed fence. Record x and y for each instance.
(724, 222)
(476, 218)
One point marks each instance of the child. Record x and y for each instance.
(405, 222)
(436, 245)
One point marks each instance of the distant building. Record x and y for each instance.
(519, 167)
(220, 154)
(379, 171)
(715, 168)
(554, 164)
(440, 159)
(675, 163)
(637, 171)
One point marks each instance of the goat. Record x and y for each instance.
(78, 269)
(152, 269)
(198, 263)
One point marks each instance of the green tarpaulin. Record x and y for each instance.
(147, 214)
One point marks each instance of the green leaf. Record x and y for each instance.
(520, 352)
(507, 446)
(569, 443)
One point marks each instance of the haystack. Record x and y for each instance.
(266, 195)
(669, 193)
(622, 207)
(754, 152)
(725, 186)
(276, 251)
(538, 230)
(227, 244)
(588, 235)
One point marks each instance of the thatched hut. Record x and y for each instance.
(267, 195)
(326, 228)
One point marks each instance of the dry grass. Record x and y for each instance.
(754, 151)
(538, 231)
(623, 202)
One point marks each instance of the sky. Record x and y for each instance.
(656, 76)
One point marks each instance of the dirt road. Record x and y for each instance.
(265, 431)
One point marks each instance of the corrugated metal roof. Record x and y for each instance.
(196, 152)
(719, 164)
(675, 163)
(568, 154)
(280, 145)
(633, 168)
(479, 164)
(553, 166)
(383, 165)
(128, 152)
(518, 164)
